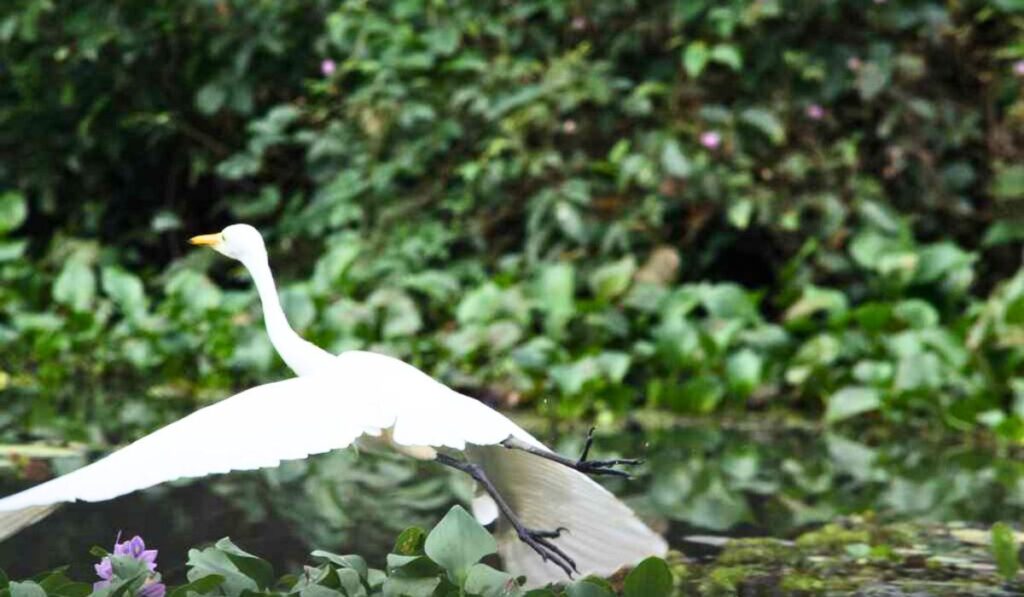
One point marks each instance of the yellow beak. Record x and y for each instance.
(211, 240)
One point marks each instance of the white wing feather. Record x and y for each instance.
(363, 394)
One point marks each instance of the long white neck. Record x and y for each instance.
(301, 356)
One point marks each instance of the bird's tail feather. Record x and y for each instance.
(14, 521)
(603, 533)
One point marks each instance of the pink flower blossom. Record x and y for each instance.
(569, 126)
(327, 67)
(1018, 68)
(853, 63)
(710, 139)
(578, 23)
(815, 112)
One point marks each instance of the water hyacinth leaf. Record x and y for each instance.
(487, 582)
(411, 566)
(458, 542)
(611, 280)
(351, 582)
(650, 577)
(352, 562)
(817, 300)
(201, 586)
(125, 288)
(320, 591)
(1005, 550)
(587, 587)
(410, 587)
(851, 401)
(25, 589)
(556, 288)
(13, 211)
(75, 286)
(213, 561)
(480, 304)
(58, 584)
(255, 568)
(743, 371)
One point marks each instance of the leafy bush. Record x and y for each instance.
(689, 206)
(445, 561)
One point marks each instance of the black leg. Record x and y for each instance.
(538, 540)
(590, 467)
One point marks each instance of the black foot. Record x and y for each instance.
(539, 542)
(602, 467)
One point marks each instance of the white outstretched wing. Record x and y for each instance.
(364, 393)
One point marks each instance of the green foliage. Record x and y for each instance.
(447, 564)
(1005, 550)
(685, 206)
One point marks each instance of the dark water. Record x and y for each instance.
(697, 479)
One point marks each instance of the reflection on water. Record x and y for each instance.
(697, 479)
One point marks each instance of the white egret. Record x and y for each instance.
(548, 505)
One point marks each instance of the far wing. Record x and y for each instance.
(365, 393)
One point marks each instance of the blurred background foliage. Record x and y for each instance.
(581, 208)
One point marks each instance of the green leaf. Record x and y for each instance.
(214, 561)
(125, 289)
(556, 289)
(851, 401)
(255, 568)
(351, 581)
(611, 280)
(766, 122)
(674, 162)
(480, 304)
(13, 211)
(211, 98)
(410, 587)
(1005, 550)
(743, 372)
(728, 55)
(871, 80)
(353, 562)
(588, 588)
(1007, 185)
(75, 286)
(695, 58)
(26, 589)
(319, 591)
(458, 542)
(487, 582)
(200, 586)
(650, 577)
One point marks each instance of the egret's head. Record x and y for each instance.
(238, 241)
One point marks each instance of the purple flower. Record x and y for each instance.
(152, 589)
(815, 112)
(1018, 68)
(327, 67)
(710, 139)
(134, 548)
